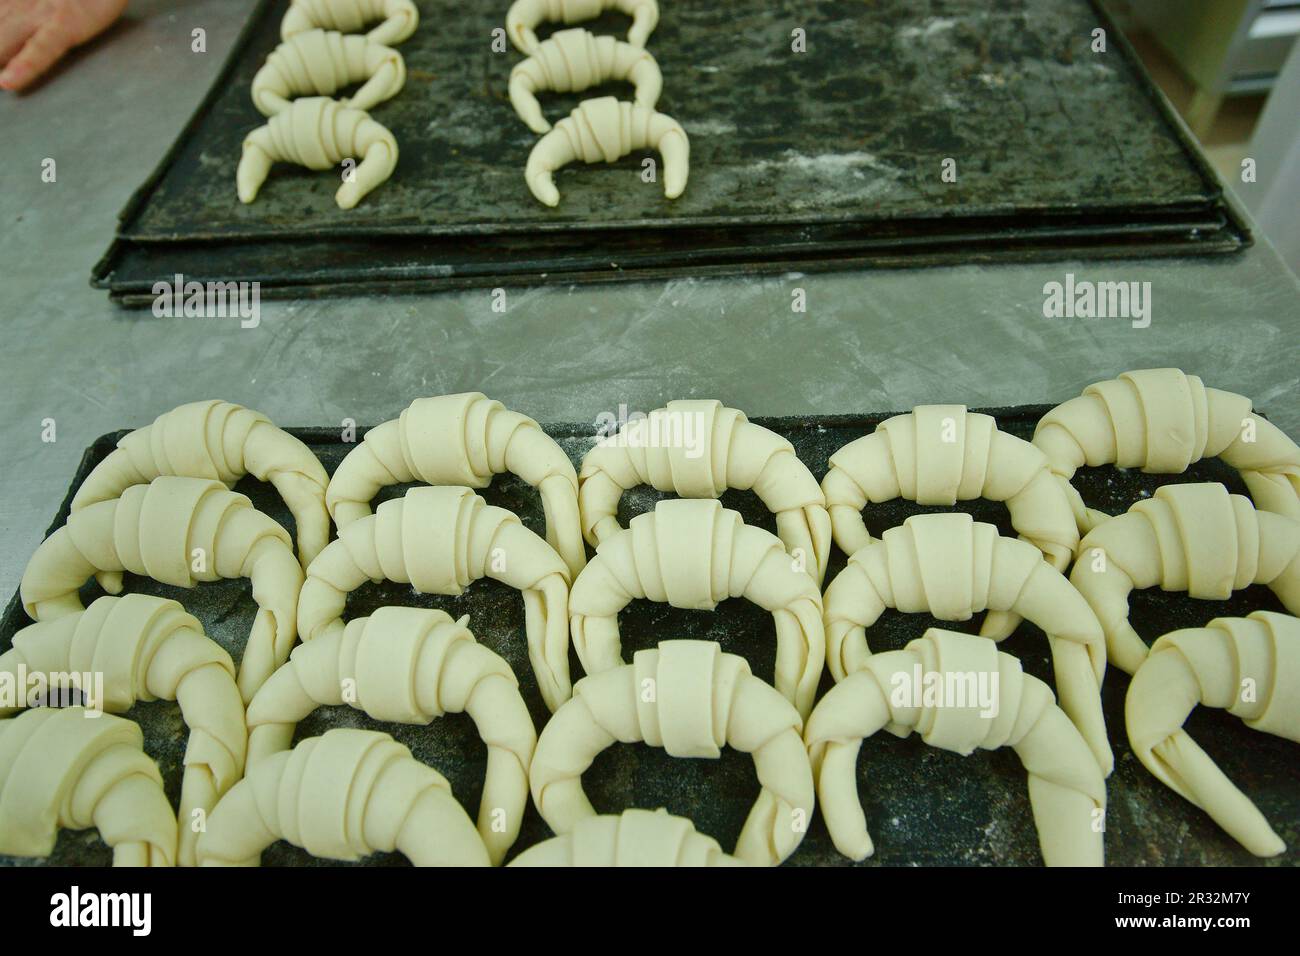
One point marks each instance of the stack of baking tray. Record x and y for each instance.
(829, 158)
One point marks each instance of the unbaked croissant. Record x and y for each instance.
(576, 60)
(942, 454)
(632, 838)
(1066, 789)
(693, 553)
(69, 768)
(440, 539)
(319, 133)
(1161, 420)
(524, 15)
(690, 699)
(699, 449)
(342, 796)
(409, 666)
(603, 130)
(952, 567)
(178, 531)
(1248, 665)
(1196, 538)
(319, 62)
(148, 648)
(225, 442)
(462, 439)
(400, 18)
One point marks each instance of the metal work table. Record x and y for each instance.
(868, 340)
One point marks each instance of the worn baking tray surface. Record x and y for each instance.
(923, 805)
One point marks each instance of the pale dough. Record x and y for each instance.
(603, 130)
(1211, 666)
(343, 796)
(524, 16)
(1162, 420)
(410, 666)
(319, 133)
(709, 448)
(942, 454)
(693, 553)
(638, 838)
(439, 540)
(178, 531)
(400, 18)
(63, 769)
(1066, 789)
(462, 439)
(321, 62)
(692, 700)
(148, 648)
(224, 442)
(1195, 538)
(952, 567)
(576, 60)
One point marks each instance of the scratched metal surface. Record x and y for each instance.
(924, 806)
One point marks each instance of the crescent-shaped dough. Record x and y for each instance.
(690, 699)
(439, 540)
(319, 133)
(462, 439)
(320, 62)
(148, 648)
(224, 442)
(952, 567)
(692, 553)
(1215, 666)
(524, 16)
(1196, 538)
(644, 838)
(699, 449)
(603, 130)
(409, 666)
(942, 454)
(576, 60)
(178, 531)
(400, 18)
(69, 768)
(1161, 420)
(342, 796)
(1066, 789)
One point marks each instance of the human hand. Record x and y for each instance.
(35, 34)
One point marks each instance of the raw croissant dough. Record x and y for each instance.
(524, 15)
(224, 442)
(721, 450)
(342, 796)
(1066, 789)
(633, 838)
(462, 439)
(576, 60)
(439, 540)
(1161, 420)
(148, 648)
(700, 700)
(409, 666)
(1211, 666)
(400, 18)
(319, 133)
(942, 454)
(603, 130)
(1195, 538)
(166, 530)
(952, 567)
(693, 553)
(319, 62)
(63, 769)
